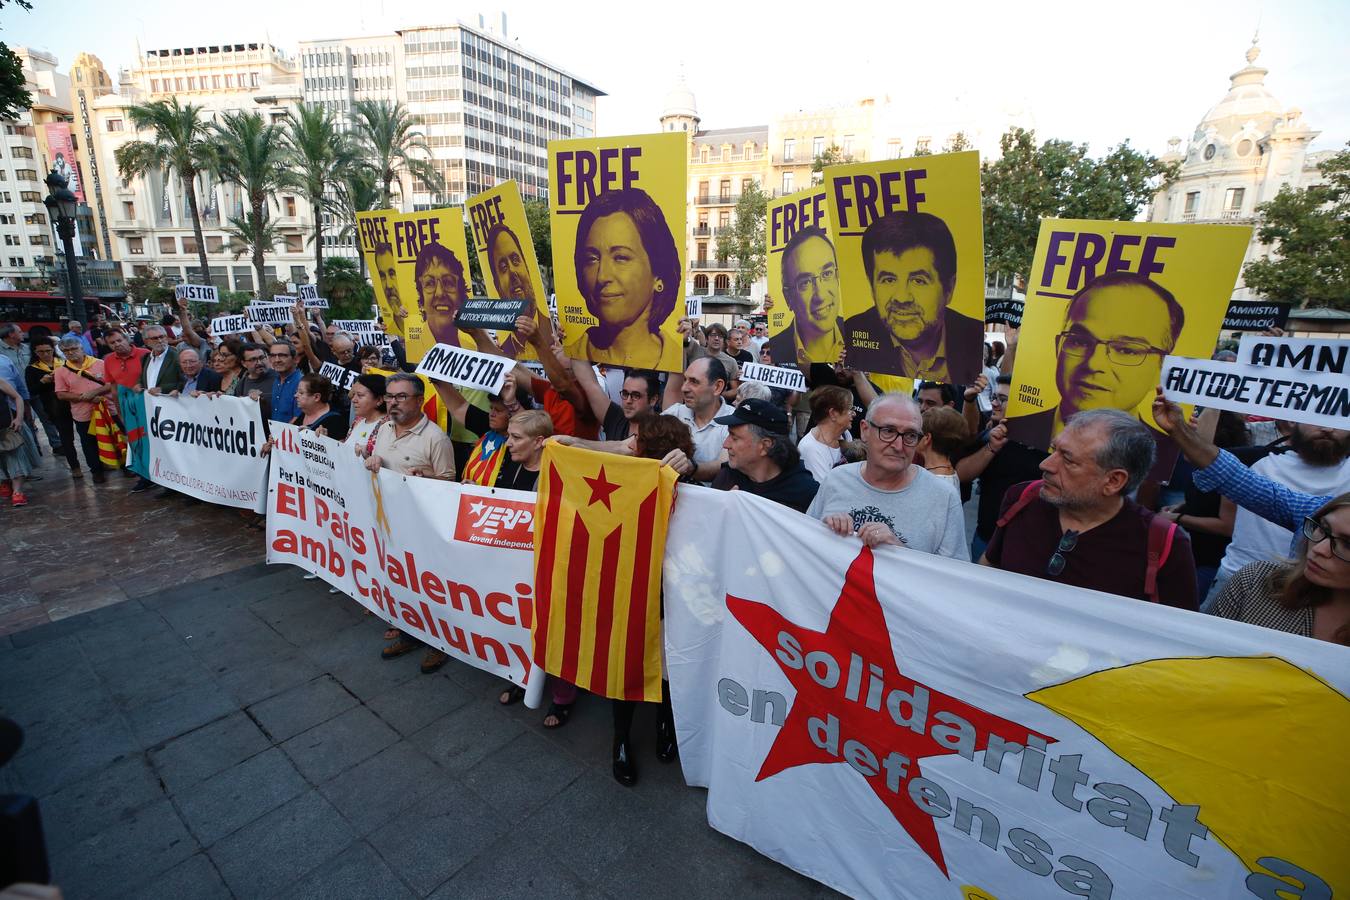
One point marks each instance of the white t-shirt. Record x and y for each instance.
(360, 432)
(709, 439)
(817, 457)
(1255, 539)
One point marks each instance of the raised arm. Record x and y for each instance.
(302, 335)
(590, 387)
(455, 403)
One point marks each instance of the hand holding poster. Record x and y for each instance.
(1295, 395)
(910, 240)
(616, 205)
(505, 248)
(803, 277)
(1106, 301)
(419, 261)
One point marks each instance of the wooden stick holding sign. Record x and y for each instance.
(198, 293)
(467, 368)
(785, 377)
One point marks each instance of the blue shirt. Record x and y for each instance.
(1255, 492)
(283, 397)
(11, 373)
(85, 339)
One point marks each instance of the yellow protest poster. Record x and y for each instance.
(505, 248)
(803, 274)
(1106, 301)
(909, 236)
(419, 263)
(617, 211)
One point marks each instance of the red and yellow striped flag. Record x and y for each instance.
(599, 538)
(112, 444)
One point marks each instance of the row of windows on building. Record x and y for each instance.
(21, 175)
(36, 240)
(339, 57)
(24, 197)
(30, 219)
(221, 275)
(169, 245)
(818, 147)
(338, 83)
(227, 81)
(1232, 203)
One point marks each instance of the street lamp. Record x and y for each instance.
(63, 205)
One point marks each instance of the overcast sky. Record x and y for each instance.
(1101, 73)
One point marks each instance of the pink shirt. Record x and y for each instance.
(75, 383)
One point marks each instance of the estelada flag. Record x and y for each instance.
(112, 446)
(599, 538)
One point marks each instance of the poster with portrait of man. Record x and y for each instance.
(803, 275)
(909, 236)
(1106, 302)
(419, 264)
(505, 248)
(617, 211)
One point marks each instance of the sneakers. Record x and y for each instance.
(19, 499)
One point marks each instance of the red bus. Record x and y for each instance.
(29, 308)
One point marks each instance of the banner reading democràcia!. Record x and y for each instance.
(909, 237)
(419, 264)
(208, 448)
(450, 564)
(1106, 301)
(506, 257)
(902, 725)
(803, 276)
(617, 209)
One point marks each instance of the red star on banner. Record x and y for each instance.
(858, 627)
(601, 488)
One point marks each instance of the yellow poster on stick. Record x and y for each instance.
(805, 324)
(1106, 301)
(909, 235)
(419, 263)
(505, 248)
(617, 210)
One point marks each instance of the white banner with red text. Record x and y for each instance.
(895, 724)
(450, 564)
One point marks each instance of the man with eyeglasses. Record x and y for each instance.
(159, 368)
(411, 444)
(639, 395)
(1077, 526)
(910, 329)
(886, 499)
(282, 357)
(811, 289)
(1109, 355)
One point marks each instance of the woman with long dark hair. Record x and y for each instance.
(1309, 595)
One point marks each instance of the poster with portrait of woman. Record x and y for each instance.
(909, 234)
(803, 276)
(505, 248)
(617, 210)
(1106, 302)
(419, 265)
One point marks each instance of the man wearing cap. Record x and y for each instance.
(761, 458)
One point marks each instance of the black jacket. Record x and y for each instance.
(793, 488)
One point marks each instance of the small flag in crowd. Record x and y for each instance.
(599, 538)
(112, 446)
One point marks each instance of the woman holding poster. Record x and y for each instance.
(628, 271)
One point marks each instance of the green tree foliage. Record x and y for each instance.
(358, 191)
(745, 242)
(248, 152)
(319, 154)
(389, 140)
(832, 156)
(148, 287)
(180, 146)
(349, 296)
(14, 95)
(957, 142)
(1308, 230)
(1058, 179)
(541, 232)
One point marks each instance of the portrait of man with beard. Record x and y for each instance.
(911, 330)
(506, 259)
(441, 289)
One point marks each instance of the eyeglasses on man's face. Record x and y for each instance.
(1120, 353)
(398, 398)
(633, 395)
(889, 433)
(804, 282)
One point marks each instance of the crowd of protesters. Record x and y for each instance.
(1248, 529)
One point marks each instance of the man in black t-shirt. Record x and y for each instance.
(640, 393)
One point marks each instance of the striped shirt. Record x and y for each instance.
(1252, 596)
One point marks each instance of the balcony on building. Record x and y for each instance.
(101, 278)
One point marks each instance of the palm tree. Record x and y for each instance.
(320, 155)
(180, 146)
(248, 152)
(356, 193)
(388, 138)
(251, 236)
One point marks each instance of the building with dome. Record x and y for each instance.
(1246, 147)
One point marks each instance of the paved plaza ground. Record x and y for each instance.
(201, 725)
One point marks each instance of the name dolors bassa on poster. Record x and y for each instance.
(196, 293)
(467, 368)
(909, 236)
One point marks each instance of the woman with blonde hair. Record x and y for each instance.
(1309, 595)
